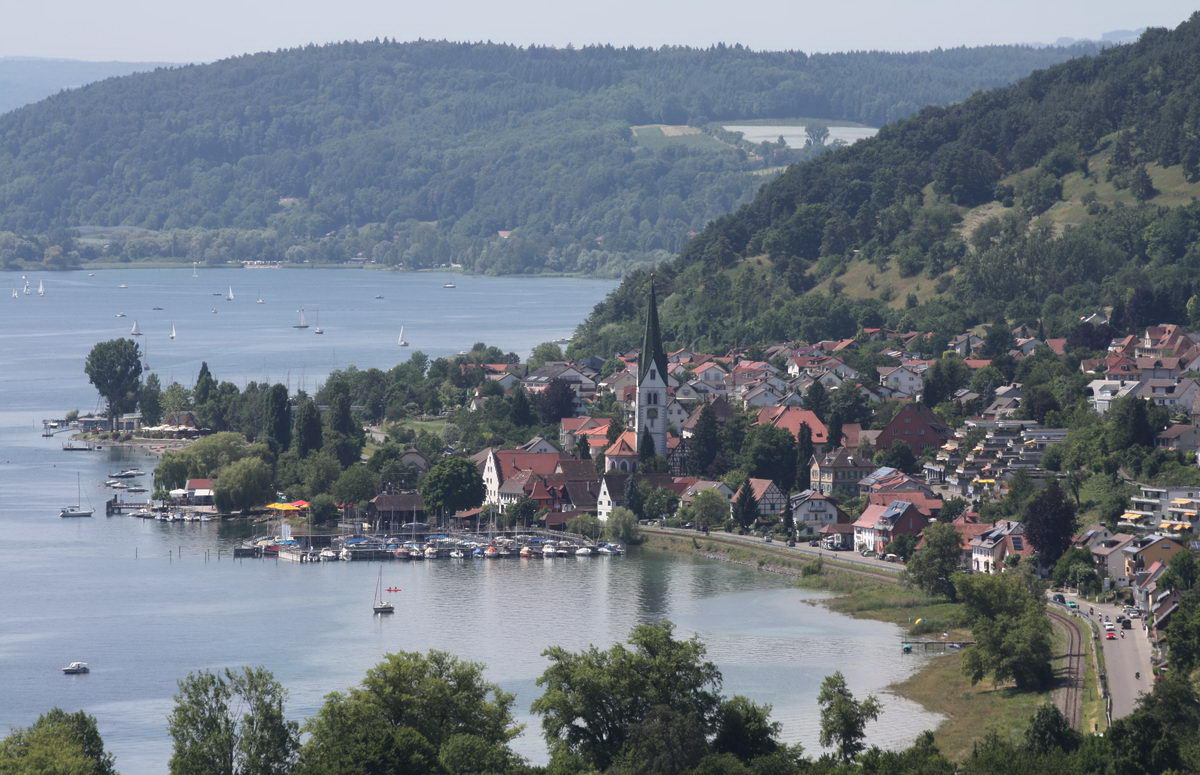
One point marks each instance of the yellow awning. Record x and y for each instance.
(1182, 500)
(283, 507)
(1132, 516)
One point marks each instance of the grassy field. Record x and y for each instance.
(656, 136)
(430, 426)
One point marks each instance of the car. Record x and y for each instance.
(890, 558)
(1072, 604)
(1058, 598)
(814, 542)
(791, 542)
(1134, 614)
(1126, 624)
(1109, 627)
(1110, 635)
(767, 539)
(689, 525)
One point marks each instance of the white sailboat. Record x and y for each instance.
(381, 606)
(26, 288)
(303, 323)
(15, 294)
(194, 274)
(135, 331)
(229, 296)
(172, 330)
(318, 329)
(76, 510)
(260, 299)
(402, 341)
(41, 289)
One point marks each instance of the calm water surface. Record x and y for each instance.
(147, 602)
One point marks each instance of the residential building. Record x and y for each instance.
(879, 525)
(917, 426)
(1108, 554)
(991, 548)
(837, 473)
(1143, 552)
(811, 510)
(770, 499)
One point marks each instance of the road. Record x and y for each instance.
(1123, 658)
(781, 547)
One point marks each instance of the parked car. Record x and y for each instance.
(1058, 598)
(791, 542)
(1072, 604)
(814, 542)
(767, 539)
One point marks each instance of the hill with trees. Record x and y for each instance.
(504, 159)
(1070, 191)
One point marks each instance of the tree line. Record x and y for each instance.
(417, 154)
(652, 706)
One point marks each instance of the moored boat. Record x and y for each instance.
(76, 668)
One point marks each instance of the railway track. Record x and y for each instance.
(1070, 697)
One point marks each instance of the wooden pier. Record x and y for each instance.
(936, 646)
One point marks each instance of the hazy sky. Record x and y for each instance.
(198, 30)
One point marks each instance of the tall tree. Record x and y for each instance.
(804, 454)
(634, 497)
(58, 743)
(1049, 523)
(705, 443)
(843, 718)
(816, 400)
(556, 402)
(520, 410)
(593, 702)
(244, 484)
(933, 566)
(453, 484)
(150, 400)
(205, 385)
(277, 419)
(308, 433)
(770, 453)
(232, 723)
(115, 368)
(745, 507)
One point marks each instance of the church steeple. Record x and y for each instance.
(652, 351)
(650, 416)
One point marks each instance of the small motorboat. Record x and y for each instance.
(393, 589)
(120, 314)
(76, 668)
(156, 309)
(416, 554)
(122, 285)
(380, 296)
(449, 285)
(431, 552)
(526, 551)
(327, 555)
(583, 551)
(491, 552)
(456, 554)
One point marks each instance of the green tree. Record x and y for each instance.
(356, 484)
(1010, 628)
(745, 507)
(323, 509)
(1049, 523)
(546, 352)
(1183, 572)
(307, 435)
(621, 526)
(453, 484)
(520, 409)
(58, 743)
(115, 369)
(705, 443)
(1050, 732)
(770, 453)
(1140, 184)
(244, 484)
(635, 499)
(1183, 636)
(659, 502)
(710, 508)
(816, 133)
(277, 419)
(150, 400)
(933, 566)
(804, 455)
(816, 400)
(844, 719)
(412, 713)
(555, 402)
(231, 723)
(900, 457)
(523, 512)
(205, 385)
(593, 702)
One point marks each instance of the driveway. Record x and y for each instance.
(1123, 657)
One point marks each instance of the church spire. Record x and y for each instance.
(652, 349)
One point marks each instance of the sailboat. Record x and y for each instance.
(194, 274)
(26, 288)
(260, 299)
(135, 331)
(172, 330)
(229, 296)
(76, 511)
(303, 323)
(402, 341)
(15, 294)
(318, 329)
(41, 289)
(382, 606)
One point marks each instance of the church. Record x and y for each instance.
(648, 438)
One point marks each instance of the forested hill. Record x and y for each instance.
(422, 153)
(1068, 191)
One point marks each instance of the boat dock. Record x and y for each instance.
(934, 646)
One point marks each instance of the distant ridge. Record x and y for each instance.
(25, 80)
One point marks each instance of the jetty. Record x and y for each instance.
(935, 646)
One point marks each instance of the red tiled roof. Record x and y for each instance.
(626, 444)
(790, 418)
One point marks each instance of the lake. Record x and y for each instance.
(147, 602)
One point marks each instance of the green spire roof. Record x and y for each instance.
(652, 349)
